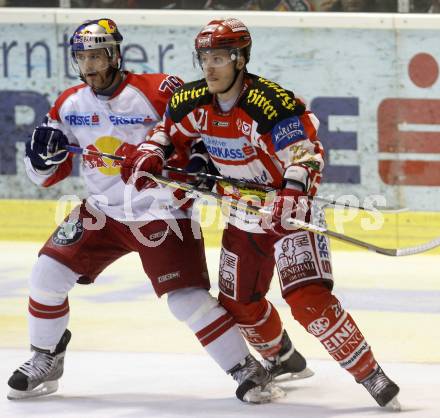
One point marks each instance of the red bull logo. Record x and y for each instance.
(109, 145)
(93, 161)
(109, 25)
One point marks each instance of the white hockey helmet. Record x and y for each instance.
(95, 34)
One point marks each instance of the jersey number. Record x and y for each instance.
(202, 119)
(170, 84)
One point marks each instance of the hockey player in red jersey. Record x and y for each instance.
(253, 129)
(112, 111)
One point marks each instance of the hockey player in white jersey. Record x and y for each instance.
(254, 130)
(113, 111)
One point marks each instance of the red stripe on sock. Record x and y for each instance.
(217, 333)
(212, 326)
(48, 312)
(48, 308)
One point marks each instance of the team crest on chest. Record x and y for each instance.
(244, 127)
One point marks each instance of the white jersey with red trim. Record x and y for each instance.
(266, 137)
(112, 125)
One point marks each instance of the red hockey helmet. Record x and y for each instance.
(225, 34)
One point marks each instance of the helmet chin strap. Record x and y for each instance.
(237, 73)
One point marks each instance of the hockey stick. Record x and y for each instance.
(222, 200)
(264, 188)
(393, 252)
(173, 183)
(207, 176)
(241, 183)
(85, 151)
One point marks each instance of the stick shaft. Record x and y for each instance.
(394, 252)
(85, 151)
(242, 183)
(265, 188)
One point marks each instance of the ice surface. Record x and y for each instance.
(130, 358)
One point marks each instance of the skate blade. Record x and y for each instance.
(268, 394)
(394, 405)
(295, 376)
(275, 391)
(46, 388)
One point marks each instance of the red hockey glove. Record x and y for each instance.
(289, 203)
(146, 158)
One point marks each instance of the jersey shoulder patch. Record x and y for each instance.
(268, 103)
(188, 97)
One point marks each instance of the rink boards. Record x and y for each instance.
(34, 220)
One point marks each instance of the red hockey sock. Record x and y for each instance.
(259, 322)
(321, 314)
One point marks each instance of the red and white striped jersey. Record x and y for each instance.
(111, 125)
(266, 137)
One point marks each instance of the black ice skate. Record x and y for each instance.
(254, 382)
(382, 389)
(288, 363)
(39, 375)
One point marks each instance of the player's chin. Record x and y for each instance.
(95, 82)
(90, 79)
(215, 87)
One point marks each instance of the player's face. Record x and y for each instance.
(218, 68)
(94, 66)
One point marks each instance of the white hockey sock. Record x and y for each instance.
(48, 303)
(212, 325)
